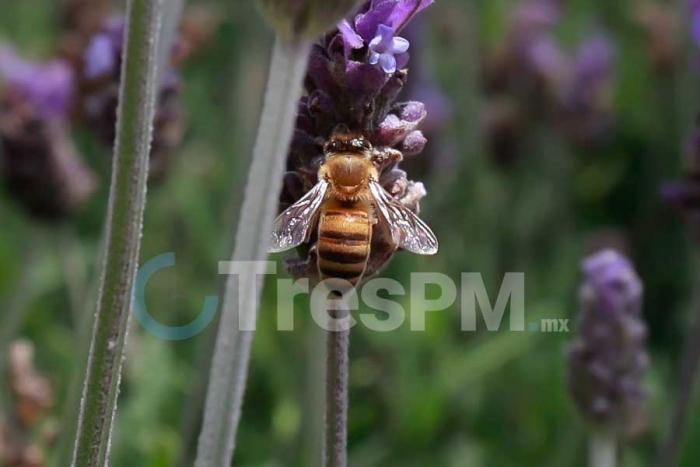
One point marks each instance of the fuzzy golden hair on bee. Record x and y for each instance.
(345, 207)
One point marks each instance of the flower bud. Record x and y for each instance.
(295, 19)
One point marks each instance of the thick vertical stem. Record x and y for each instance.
(229, 369)
(123, 233)
(602, 450)
(337, 370)
(314, 397)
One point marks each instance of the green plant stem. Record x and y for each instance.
(123, 233)
(690, 364)
(602, 450)
(230, 363)
(61, 454)
(313, 396)
(337, 370)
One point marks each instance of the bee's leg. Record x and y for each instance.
(303, 267)
(374, 218)
(385, 157)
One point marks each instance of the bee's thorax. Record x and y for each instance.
(348, 175)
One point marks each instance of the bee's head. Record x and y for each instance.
(344, 141)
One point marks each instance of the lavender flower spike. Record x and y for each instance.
(99, 84)
(48, 87)
(607, 361)
(346, 88)
(385, 47)
(39, 164)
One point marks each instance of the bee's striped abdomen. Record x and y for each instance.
(343, 243)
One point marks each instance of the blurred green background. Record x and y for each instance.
(441, 397)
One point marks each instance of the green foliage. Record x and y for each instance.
(443, 397)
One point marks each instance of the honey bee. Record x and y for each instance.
(345, 206)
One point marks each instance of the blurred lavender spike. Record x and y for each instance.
(99, 77)
(608, 360)
(40, 166)
(585, 113)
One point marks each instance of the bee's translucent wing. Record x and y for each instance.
(407, 230)
(293, 226)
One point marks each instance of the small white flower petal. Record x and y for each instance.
(399, 45)
(387, 62)
(373, 57)
(374, 43)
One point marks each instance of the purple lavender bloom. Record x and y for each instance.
(48, 87)
(388, 50)
(354, 76)
(535, 16)
(695, 21)
(594, 60)
(99, 57)
(608, 360)
(102, 55)
(585, 107)
(531, 62)
(40, 166)
(99, 83)
(533, 45)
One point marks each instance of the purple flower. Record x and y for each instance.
(48, 87)
(99, 82)
(594, 60)
(545, 58)
(103, 52)
(535, 16)
(695, 21)
(99, 57)
(608, 360)
(354, 76)
(531, 60)
(392, 13)
(585, 104)
(40, 166)
(387, 50)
